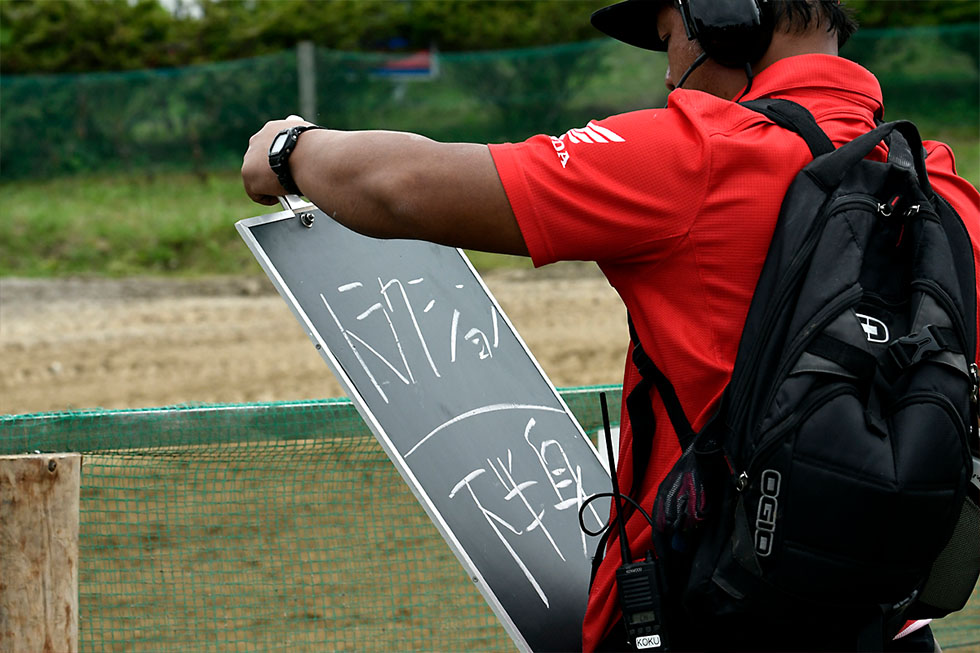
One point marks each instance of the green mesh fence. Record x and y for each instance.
(272, 527)
(201, 117)
(267, 527)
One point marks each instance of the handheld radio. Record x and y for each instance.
(638, 582)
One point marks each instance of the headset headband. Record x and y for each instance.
(732, 32)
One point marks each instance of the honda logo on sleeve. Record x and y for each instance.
(591, 133)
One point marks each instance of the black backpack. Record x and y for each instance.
(829, 498)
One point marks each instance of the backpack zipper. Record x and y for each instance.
(794, 271)
(818, 399)
(829, 393)
(937, 399)
(849, 298)
(938, 292)
(971, 343)
(826, 395)
(975, 384)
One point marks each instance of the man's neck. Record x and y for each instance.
(791, 44)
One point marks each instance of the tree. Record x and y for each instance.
(80, 35)
(914, 13)
(93, 35)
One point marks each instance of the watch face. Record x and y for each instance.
(278, 143)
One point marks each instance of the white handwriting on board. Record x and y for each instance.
(557, 474)
(413, 327)
(566, 482)
(495, 523)
(482, 410)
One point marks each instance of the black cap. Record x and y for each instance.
(633, 22)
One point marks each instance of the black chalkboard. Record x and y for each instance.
(459, 405)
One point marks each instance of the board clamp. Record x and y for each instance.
(300, 208)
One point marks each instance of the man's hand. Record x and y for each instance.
(261, 183)
(387, 184)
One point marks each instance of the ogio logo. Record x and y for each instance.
(765, 518)
(874, 329)
(647, 641)
(591, 133)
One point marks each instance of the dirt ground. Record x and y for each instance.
(146, 342)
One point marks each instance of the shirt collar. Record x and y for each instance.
(831, 76)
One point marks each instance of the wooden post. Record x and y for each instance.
(306, 73)
(39, 553)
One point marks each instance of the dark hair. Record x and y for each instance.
(797, 15)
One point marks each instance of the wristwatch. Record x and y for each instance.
(282, 146)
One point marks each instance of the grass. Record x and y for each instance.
(136, 224)
(229, 548)
(291, 531)
(264, 528)
(218, 549)
(182, 224)
(124, 224)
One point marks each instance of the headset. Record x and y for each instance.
(735, 33)
(732, 32)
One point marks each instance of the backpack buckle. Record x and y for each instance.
(909, 350)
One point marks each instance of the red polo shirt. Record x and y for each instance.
(677, 206)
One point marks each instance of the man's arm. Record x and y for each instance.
(393, 185)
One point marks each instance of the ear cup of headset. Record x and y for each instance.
(732, 32)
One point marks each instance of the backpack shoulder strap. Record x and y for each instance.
(788, 115)
(795, 118)
(641, 411)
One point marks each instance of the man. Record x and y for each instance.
(676, 205)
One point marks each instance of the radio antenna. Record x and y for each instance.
(617, 497)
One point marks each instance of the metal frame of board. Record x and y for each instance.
(297, 209)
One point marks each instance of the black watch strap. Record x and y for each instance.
(279, 152)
